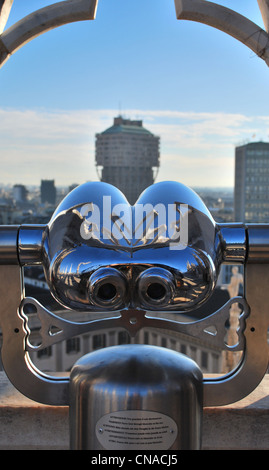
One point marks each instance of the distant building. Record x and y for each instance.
(251, 191)
(72, 186)
(48, 192)
(20, 193)
(128, 156)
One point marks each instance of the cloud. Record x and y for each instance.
(196, 147)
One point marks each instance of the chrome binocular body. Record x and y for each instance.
(101, 253)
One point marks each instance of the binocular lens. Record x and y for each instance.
(156, 291)
(107, 287)
(156, 286)
(106, 291)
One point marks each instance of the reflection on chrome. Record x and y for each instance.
(97, 253)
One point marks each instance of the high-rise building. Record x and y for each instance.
(128, 156)
(20, 193)
(251, 190)
(48, 192)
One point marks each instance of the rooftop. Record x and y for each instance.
(127, 126)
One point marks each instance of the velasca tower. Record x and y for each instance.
(128, 156)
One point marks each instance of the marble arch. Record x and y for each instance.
(68, 11)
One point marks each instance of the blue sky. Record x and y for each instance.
(200, 90)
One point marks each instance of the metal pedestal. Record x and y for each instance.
(135, 397)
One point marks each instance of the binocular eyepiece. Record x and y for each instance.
(109, 288)
(155, 287)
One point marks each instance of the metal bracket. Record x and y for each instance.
(212, 328)
(254, 363)
(17, 364)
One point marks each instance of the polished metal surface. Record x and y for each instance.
(30, 244)
(255, 359)
(159, 390)
(15, 356)
(111, 269)
(156, 287)
(234, 242)
(258, 236)
(108, 287)
(9, 244)
(95, 228)
(133, 321)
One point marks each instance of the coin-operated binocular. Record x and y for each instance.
(123, 263)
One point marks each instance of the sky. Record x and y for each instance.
(201, 91)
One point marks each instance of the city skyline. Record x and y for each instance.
(136, 60)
